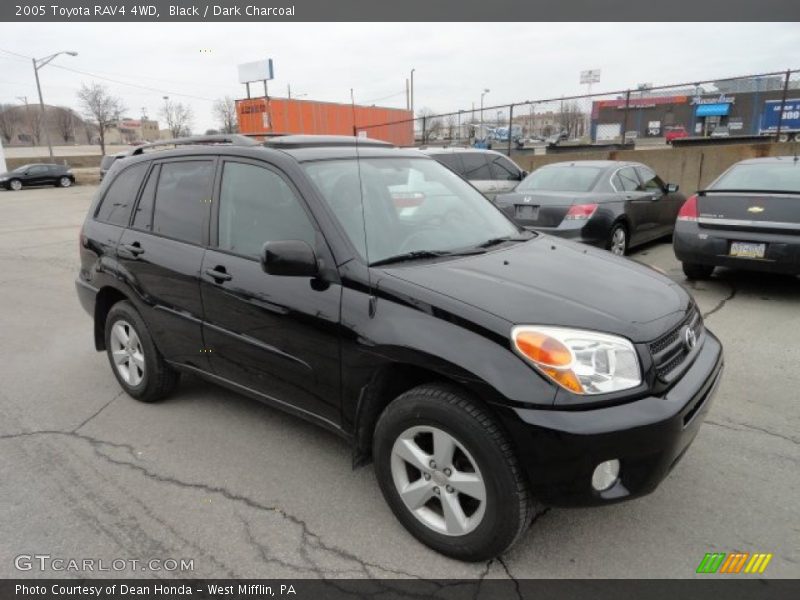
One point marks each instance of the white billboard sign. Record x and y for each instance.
(259, 70)
(590, 76)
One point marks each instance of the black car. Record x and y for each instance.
(37, 174)
(484, 368)
(748, 218)
(610, 204)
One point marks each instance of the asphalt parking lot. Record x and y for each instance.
(247, 491)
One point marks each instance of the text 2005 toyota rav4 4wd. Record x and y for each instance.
(484, 368)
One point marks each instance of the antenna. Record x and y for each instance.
(363, 209)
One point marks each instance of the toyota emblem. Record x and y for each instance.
(689, 338)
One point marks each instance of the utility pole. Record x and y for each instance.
(289, 91)
(412, 90)
(38, 64)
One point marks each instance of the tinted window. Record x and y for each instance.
(626, 180)
(38, 170)
(182, 199)
(561, 179)
(764, 177)
(451, 161)
(255, 206)
(121, 194)
(504, 169)
(143, 215)
(652, 182)
(475, 166)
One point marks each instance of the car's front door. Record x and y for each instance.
(667, 204)
(639, 205)
(478, 173)
(275, 335)
(36, 175)
(505, 173)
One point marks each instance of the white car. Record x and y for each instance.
(490, 172)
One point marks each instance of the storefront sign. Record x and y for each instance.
(721, 99)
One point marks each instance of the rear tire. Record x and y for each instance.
(135, 361)
(472, 505)
(64, 182)
(697, 271)
(617, 242)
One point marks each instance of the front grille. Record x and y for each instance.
(670, 351)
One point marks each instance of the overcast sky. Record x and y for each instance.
(453, 61)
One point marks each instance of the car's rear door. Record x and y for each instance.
(272, 334)
(162, 251)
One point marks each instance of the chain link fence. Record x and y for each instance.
(745, 108)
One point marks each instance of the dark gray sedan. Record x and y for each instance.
(37, 174)
(611, 204)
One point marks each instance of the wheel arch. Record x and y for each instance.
(107, 297)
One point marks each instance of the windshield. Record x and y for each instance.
(764, 177)
(560, 179)
(410, 205)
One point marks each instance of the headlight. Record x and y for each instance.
(583, 362)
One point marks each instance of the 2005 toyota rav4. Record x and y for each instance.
(484, 368)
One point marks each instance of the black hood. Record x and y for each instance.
(550, 281)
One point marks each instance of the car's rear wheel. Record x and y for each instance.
(697, 271)
(136, 362)
(64, 182)
(449, 474)
(618, 240)
(15, 184)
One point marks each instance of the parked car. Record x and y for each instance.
(675, 132)
(610, 204)
(748, 218)
(489, 171)
(482, 367)
(37, 174)
(108, 160)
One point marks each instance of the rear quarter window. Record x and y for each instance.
(183, 196)
(115, 208)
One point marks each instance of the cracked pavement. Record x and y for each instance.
(247, 491)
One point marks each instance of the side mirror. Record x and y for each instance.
(290, 258)
(523, 174)
(671, 188)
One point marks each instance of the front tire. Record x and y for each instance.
(449, 474)
(15, 185)
(135, 361)
(697, 271)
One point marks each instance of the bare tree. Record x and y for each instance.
(100, 108)
(571, 119)
(451, 126)
(178, 117)
(430, 123)
(33, 116)
(10, 121)
(225, 112)
(65, 122)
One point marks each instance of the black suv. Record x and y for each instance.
(484, 368)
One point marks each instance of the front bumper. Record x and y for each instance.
(706, 246)
(560, 449)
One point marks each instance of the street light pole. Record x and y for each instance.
(38, 64)
(412, 91)
(485, 91)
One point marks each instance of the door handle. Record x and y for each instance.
(219, 274)
(134, 248)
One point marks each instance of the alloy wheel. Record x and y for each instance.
(126, 350)
(16, 185)
(618, 242)
(438, 480)
(65, 182)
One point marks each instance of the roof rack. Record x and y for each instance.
(322, 141)
(232, 139)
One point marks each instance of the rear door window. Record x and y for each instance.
(183, 195)
(115, 207)
(627, 180)
(143, 215)
(451, 161)
(476, 168)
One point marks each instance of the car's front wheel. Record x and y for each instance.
(15, 184)
(449, 474)
(136, 362)
(64, 182)
(697, 271)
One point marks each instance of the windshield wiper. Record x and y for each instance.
(499, 240)
(413, 255)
